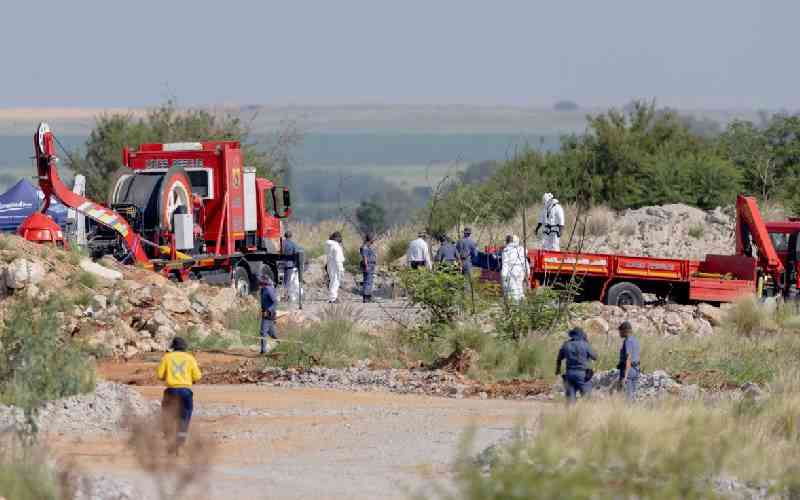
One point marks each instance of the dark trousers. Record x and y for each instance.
(267, 330)
(418, 264)
(177, 406)
(369, 281)
(574, 383)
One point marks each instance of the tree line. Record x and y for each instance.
(637, 156)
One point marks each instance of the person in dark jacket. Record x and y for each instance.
(467, 251)
(447, 254)
(369, 264)
(577, 353)
(269, 312)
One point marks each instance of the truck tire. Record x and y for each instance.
(241, 281)
(624, 294)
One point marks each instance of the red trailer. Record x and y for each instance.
(756, 268)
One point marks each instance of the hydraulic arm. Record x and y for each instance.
(749, 223)
(51, 185)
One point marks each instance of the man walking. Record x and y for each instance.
(369, 264)
(335, 265)
(552, 218)
(577, 352)
(269, 312)
(628, 361)
(514, 269)
(447, 255)
(179, 370)
(291, 280)
(418, 254)
(467, 251)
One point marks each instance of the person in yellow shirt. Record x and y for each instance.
(179, 370)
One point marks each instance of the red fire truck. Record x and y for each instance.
(186, 210)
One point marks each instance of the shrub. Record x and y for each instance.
(439, 293)
(537, 312)
(396, 249)
(697, 232)
(747, 317)
(86, 279)
(36, 365)
(25, 475)
(331, 343)
(598, 221)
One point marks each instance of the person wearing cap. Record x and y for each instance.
(577, 352)
(369, 264)
(552, 219)
(179, 370)
(269, 312)
(418, 254)
(291, 281)
(448, 255)
(467, 250)
(628, 361)
(335, 265)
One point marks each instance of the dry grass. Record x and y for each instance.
(173, 478)
(670, 449)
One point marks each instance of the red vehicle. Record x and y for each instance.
(186, 210)
(623, 280)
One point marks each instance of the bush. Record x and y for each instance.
(696, 232)
(25, 475)
(439, 293)
(747, 317)
(330, 343)
(36, 365)
(87, 279)
(396, 249)
(539, 311)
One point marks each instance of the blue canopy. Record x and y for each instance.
(21, 200)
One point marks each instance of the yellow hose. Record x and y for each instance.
(726, 276)
(165, 250)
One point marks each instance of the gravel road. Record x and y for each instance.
(311, 443)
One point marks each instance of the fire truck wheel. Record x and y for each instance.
(624, 294)
(241, 281)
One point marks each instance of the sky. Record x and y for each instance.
(712, 54)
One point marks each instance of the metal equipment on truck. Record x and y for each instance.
(185, 210)
(765, 264)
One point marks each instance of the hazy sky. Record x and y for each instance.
(688, 53)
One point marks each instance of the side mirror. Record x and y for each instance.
(283, 208)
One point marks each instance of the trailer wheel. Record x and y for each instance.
(624, 294)
(241, 281)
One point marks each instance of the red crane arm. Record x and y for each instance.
(51, 185)
(750, 223)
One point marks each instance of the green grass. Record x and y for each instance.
(697, 232)
(25, 475)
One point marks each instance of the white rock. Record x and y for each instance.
(176, 303)
(101, 301)
(100, 271)
(22, 272)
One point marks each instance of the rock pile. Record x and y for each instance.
(669, 231)
(124, 310)
(598, 319)
(657, 384)
(107, 409)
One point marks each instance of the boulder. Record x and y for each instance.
(21, 272)
(595, 327)
(710, 313)
(221, 303)
(100, 271)
(176, 303)
(100, 301)
(141, 296)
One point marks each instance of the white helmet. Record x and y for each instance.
(546, 198)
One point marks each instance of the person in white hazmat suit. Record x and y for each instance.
(515, 269)
(335, 265)
(552, 219)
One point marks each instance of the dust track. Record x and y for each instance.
(314, 443)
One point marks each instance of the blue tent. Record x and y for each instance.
(21, 200)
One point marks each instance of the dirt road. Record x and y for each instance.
(313, 443)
